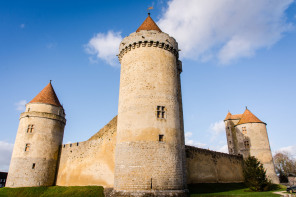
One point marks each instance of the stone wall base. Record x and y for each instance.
(149, 193)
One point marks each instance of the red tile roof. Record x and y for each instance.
(48, 96)
(148, 24)
(249, 117)
(228, 116)
(233, 117)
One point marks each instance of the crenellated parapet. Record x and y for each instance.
(149, 38)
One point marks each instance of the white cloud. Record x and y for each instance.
(22, 26)
(105, 47)
(21, 105)
(289, 149)
(5, 152)
(188, 134)
(218, 127)
(224, 29)
(223, 149)
(191, 142)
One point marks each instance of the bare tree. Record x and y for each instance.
(285, 165)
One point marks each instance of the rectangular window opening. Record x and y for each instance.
(27, 147)
(33, 166)
(30, 128)
(244, 130)
(247, 144)
(161, 112)
(160, 138)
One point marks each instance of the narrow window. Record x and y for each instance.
(160, 138)
(64, 145)
(247, 145)
(160, 112)
(33, 166)
(77, 143)
(28, 109)
(244, 130)
(70, 145)
(230, 142)
(151, 184)
(30, 128)
(230, 151)
(27, 147)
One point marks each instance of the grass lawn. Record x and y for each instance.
(75, 191)
(226, 189)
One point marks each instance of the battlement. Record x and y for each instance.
(150, 38)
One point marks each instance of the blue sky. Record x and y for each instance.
(234, 53)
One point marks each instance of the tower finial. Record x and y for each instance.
(150, 8)
(246, 107)
(50, 81)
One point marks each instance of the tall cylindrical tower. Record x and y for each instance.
(39, 136)
(150, 150)
(253, 141)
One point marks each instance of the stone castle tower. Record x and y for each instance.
(247, 136)
(150, 150)
(39, 136)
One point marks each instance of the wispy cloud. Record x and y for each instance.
(22, 26)
(21, 105)
(289, 149)
(191, 142)
(105, 47)
(217, 129)
(5, 152)
(51, 45)
(223, 149)
(225, 30)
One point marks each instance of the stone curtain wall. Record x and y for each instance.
(205, 166)
(90, 162)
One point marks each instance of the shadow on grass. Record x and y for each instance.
(206, 188)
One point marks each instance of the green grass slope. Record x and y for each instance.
(73, 191)
(226, 189)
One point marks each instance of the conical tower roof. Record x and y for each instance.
(228, 116)
(249, 117)
(48, 96)
(148, 24)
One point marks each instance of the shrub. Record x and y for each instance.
(255, 175)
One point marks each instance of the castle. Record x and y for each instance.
(142, 150)
(247, 135)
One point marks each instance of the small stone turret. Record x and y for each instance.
(150, 150)
(247, 135)
(39, 136)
